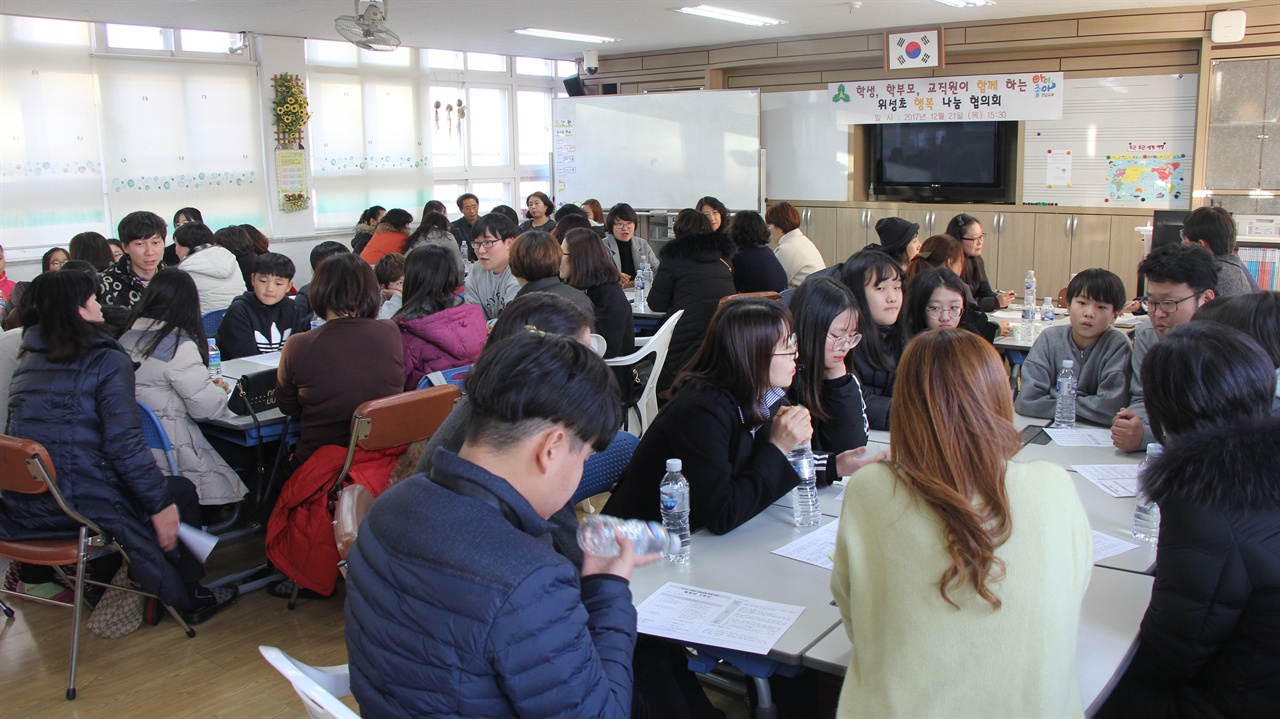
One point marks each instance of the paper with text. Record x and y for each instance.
(1105, 545)
(1117, 480)
(813, 548)
(1080, 437)
(717, 619)
(270, 359)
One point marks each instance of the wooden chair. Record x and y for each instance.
(25, 468)
(766, 295)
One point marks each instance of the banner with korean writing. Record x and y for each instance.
(1031, 96)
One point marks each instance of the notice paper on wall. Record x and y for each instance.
(717, 619)
(1080, 437)
(1105, 545)
(1058, 173)
(1117, 480)
(813, 548)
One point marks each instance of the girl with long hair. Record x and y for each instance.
(968, 230)
(875, 279)
(951, 539)
(586, 266)
(434, 230)
(92, 248)
(438, 330)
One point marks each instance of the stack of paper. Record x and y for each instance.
(1117, 480)
(717, 619)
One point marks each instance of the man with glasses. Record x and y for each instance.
(491, 285)
(1180, 278)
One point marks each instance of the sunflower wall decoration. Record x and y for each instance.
(290, 115)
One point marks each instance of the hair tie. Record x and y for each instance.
(531, 329)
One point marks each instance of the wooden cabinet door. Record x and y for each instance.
(1052, 257)
(1015, 233)
(837, 231)
(1126, 251)
(1090, 243)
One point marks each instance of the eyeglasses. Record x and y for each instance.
(791, 349)
(937, 312)
(1167, 306)
(620, 225)
(844, 342)
(981, 236)
(486, 244)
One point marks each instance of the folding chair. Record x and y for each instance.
(391, 422)
(156, 438)
(353, 506)
(25, 468)
(601, 471)
(638, 377)
(212, 321)
(319, 688)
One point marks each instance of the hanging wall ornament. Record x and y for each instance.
(462, 112)
(437, 106)
(448, 113)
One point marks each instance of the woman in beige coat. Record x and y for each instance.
(166, 337)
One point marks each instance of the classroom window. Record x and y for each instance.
(138, 37)
(492, 194)
(484, 62)
(444, 60)
(487, 115)
(528, 187)
(400, 57)
(447, 192)
(535, 66)
(533, 118)
(566, 68)
(206, 41)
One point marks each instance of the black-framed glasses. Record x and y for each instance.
(1166, 306)
(486, 244)
(981, 236)
(844, 342)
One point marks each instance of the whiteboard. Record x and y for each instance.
(658, 151)
(808, 153)
(1101, 117)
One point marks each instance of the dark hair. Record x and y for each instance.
(1213, 225)
(389, 268)
(1256, 314)
(589, 263)
(716, 205)
(783, 216)
(814, 306)
(47, 257)
(594, 211)
(432, 223)
(749, 230)
(140, 225)
(56, 298)
(535, 255)
(913, 319)
(431, 281)
(690, 222)
(274, 264)
(571, 222)
(1181, 263)
(371, 215)
(397, 220)
(496, 224)
(191, 213)
(92, 248)
(620, 212)
(534, 379)
(467, 196)
(192, 235)
(937, 251)
(1203, 374)
(81, 266)
(737, 350)
(115, 242)
(546, 202)
(235, 240)
(960, 224)
(345, 285)
(543, 311)
(569, 208)
(260, 242)
(323, 250)
(854, 273)
(435, 206)
(172, 299)
(505, 211)
(1098, 285)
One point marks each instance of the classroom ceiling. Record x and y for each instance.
(486, 25)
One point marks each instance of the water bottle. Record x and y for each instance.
(804, 498)
(597, 534)
(1064, 410)
(316, 322)
(1146, 514)
(640, 284)
(674, 496)
(1029, 306)
(215, 360)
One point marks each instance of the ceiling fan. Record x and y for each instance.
(367, 29)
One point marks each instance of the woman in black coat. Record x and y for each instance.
(693, 275)
(586, 266)
(1210, 640)
(73, 392)
(755, 265)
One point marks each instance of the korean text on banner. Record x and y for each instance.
(1031, 96)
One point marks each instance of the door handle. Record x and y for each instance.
(1075, 227)
(1066, 229)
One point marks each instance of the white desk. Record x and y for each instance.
(1113, 607)
(242, 429)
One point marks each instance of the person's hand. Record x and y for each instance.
(852, 460)
(1131, 307)
(1127, 431)
(1005, 327)
(619, 566)
(791, 427)
(166, 524)
(222, 383)
(1003, 299)
(627, 280)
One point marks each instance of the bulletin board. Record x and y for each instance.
(1121, 142)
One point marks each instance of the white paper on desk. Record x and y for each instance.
(813, 548)
(1117, 480)
(1007, 314)
(270, 359)
(1080, 437)
(718, 619)
(1132, 321)
(1105, 545)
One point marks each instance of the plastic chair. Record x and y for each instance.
(644, 388)
(320, 688)
(25, 468)
(602, 468)
(212, 321)
(456, 377)
(156, 438)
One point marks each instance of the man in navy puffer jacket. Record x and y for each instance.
(457, 604)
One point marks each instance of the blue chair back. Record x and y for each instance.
(212, 321)
(602, 468)
(154, 435)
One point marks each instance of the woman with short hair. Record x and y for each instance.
(535, 259)
(755, 266)
(797, 254)
(628, 251)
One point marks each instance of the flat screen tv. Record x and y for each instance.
(943, 161)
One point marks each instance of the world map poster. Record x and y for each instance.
(1140, 178)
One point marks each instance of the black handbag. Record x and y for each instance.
(254, 393)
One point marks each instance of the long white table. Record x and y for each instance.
(1113, 607)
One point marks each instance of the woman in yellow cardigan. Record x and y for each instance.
(958, 573)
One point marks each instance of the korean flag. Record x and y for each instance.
(911, 50)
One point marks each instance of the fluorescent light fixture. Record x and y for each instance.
(561, 35)
(966, 3)
(742, 18)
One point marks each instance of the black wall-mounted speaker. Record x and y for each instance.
(573, 85)
(609, 88)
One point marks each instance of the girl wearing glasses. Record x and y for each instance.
(946, 252)
(936, 300)
(968, 230)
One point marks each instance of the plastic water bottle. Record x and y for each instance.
(316, 322)
(640, 286)
(1029, 306)
(804, 498)
(674, 496)
(597, 534)
(215, 360)
(1146, 514)
(1064, 411)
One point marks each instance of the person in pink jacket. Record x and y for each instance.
(437, 329)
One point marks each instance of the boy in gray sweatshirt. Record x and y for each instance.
(1101, 354)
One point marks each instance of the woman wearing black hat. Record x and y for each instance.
(899, 239)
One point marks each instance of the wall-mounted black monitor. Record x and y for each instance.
(943, 161)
